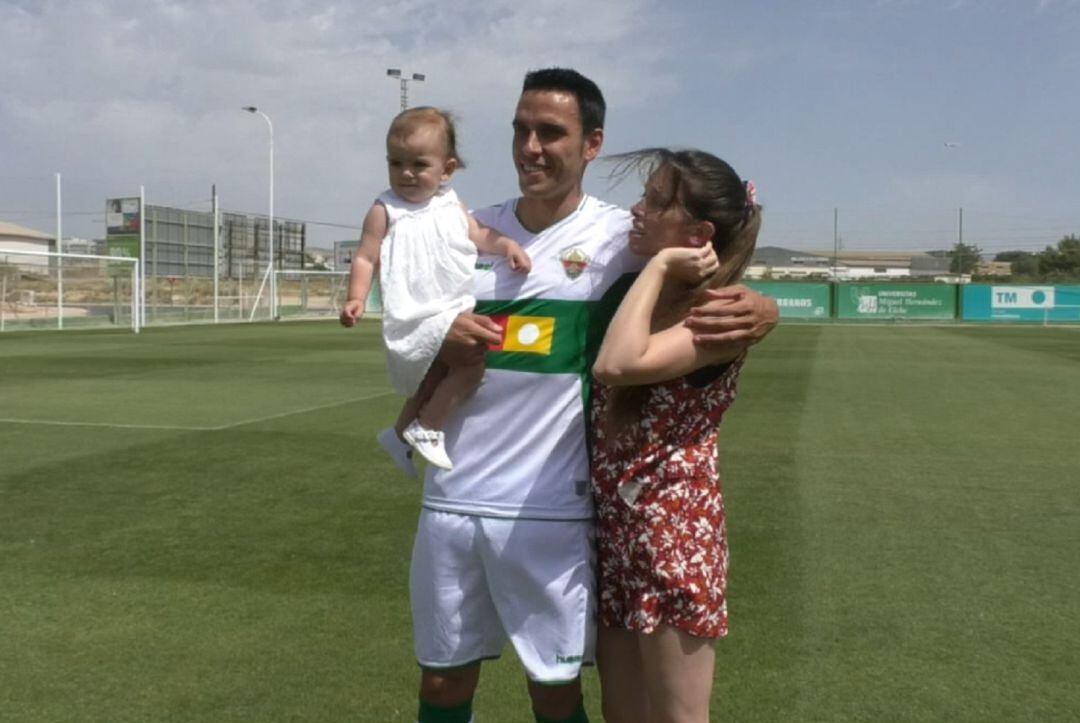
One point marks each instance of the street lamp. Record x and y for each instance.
(396, 73)
(270, 256)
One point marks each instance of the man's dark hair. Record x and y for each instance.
(590, 100)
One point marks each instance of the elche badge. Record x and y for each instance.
(574, 262)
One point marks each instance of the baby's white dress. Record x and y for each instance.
(426, 268)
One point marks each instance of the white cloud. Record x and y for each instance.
(120, 93)
(134, 92)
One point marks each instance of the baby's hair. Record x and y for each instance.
(708, 189)
(409, 120)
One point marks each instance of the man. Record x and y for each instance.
(504, 543)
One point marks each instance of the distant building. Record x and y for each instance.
(994, 268)
(83, 246)
(180, 244)
(19, 238)
(927, 265)
(774, 262)
(343, 253)
(319, 258)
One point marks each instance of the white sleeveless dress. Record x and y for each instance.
(426, 268)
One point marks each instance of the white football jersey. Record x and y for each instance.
(519, 442)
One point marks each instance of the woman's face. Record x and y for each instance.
(660, 221)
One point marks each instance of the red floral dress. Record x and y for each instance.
(661, 538)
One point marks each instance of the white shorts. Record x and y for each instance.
(477, 581)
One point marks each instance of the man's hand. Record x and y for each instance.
(734, 314)
(352, 312)
(468, 339)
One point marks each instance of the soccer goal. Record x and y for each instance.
(48, 290)
(310, 294)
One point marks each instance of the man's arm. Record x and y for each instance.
(734, 314)
(364, 263)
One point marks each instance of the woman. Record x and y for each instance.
(661, 539)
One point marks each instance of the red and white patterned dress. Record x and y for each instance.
(661, 537)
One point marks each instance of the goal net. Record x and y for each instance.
(310, 294)
(47, 290)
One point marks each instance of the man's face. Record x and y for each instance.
(550, 149)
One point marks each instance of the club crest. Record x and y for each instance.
(574, 262)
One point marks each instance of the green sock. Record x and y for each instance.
(578, 716)
(437, 714)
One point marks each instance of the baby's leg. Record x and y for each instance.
(411, 409)
(460, 382)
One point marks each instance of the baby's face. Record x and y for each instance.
(417, 162)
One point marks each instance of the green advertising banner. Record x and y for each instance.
(126, 245)
(1039, 304)
(123, 245)
(122, 232)
(796, 301)
(896, 301)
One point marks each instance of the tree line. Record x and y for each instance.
(1054, 264)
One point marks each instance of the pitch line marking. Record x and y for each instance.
(55, 423)
(302, 411)
(179, 428)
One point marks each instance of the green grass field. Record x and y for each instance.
(196, 525)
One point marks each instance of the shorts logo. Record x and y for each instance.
(574, 262)
(527, 334)
(568, 659)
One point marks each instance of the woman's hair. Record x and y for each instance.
(708, 189)
(409, 120)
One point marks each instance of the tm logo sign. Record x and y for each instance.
(1022, 297)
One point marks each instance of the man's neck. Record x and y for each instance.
(537, 214)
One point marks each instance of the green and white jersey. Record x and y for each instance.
(519, 443)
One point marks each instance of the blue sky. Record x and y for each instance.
(840, 104)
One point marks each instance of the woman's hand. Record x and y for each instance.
(689, 265)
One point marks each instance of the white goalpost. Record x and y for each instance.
(48, 290)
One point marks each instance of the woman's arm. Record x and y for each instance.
(364, 262)
(632, 353)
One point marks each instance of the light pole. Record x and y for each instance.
(270, 236)
(396, 73)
